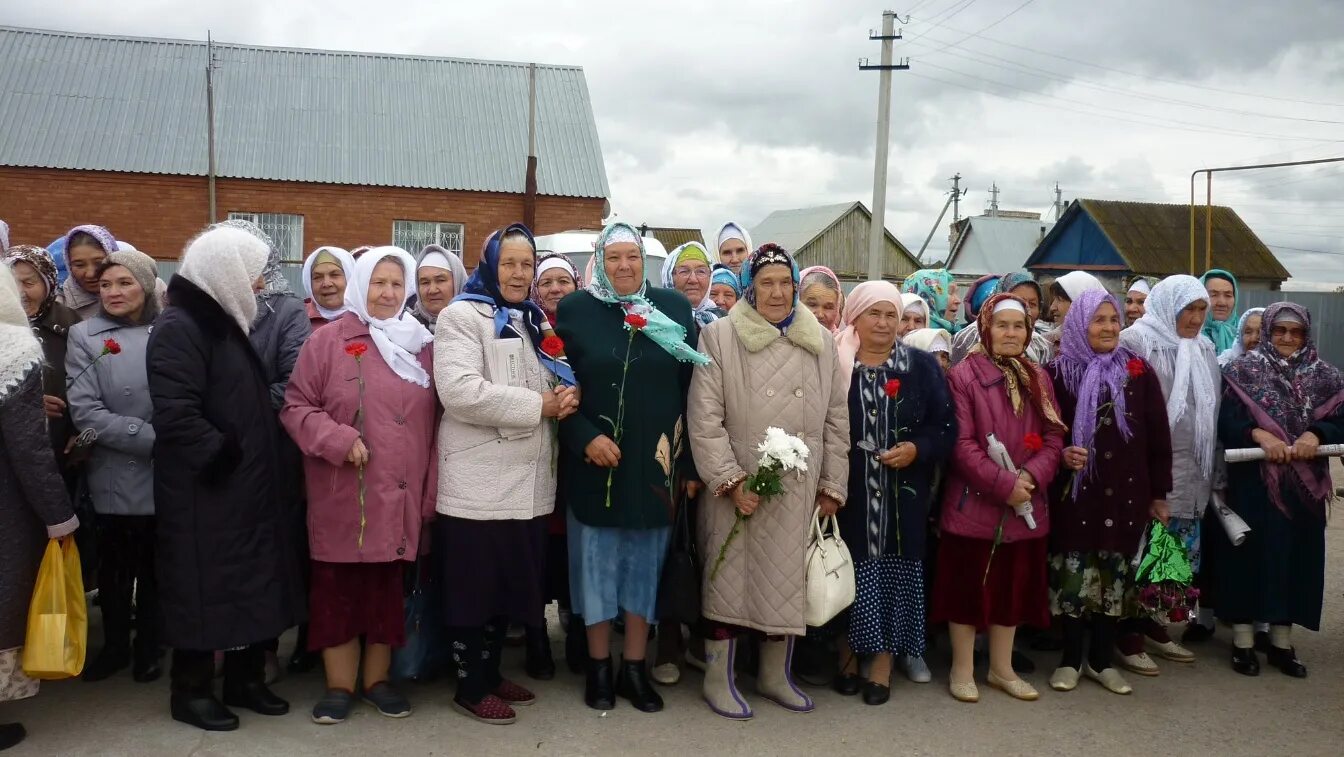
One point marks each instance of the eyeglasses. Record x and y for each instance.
(687, 273)
(1292, 332)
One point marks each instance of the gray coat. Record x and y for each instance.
(112, 399)
(278, 333)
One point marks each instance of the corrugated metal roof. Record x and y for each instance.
(95, 102)
(835, 236)
(996, 244)
(793, 229)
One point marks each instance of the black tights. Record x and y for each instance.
(477, 650)
(126, 577)
(1103, 630)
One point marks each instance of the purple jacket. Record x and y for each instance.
(976, 492)
(400, 481)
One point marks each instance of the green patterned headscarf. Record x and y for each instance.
(934, 286)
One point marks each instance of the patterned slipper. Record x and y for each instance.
(513, 694)
(490, 710)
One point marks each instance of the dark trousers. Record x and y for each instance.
(477, 651)
(193, 670)
(125, 579)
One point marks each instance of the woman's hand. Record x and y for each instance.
(54, 406)
(745, 499)
(1159, 510)
(1276, 450)
(1022, 489)
(827, 504)
(358, 454)
(900, 456)
(602, 452)
(1075, 458)
(1305, 446)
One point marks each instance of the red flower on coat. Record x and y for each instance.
(1033, 442)
(636, 321)
(356, 350)
(892, 388)
(110, 347)
(1135, 367)
(553, 346)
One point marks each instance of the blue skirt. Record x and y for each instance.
(614, 569)
(888, 611)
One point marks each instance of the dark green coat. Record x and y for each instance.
(655, 400)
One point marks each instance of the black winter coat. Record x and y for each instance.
(228, 574)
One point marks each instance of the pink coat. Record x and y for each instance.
(976, 492)
(400, 421)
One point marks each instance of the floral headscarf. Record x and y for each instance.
(1092, 377)
(549, 261)
(704, 309)
(41, 260)
(1018, 371)
(769, 254)
(1223, 334)
(1285, 396)
(934, 286)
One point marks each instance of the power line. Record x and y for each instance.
(942, 16)
(1303, 249)
(984, 28)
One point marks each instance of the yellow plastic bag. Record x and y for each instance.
(58, 620)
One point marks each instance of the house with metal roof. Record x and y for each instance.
(835, 236)
(672, 237)
(1116, 240)
(318, 146)
(997, 242)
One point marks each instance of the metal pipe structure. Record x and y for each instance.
(210, 124)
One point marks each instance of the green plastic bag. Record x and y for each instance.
(1165, 559)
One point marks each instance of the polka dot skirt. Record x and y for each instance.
(888, 610)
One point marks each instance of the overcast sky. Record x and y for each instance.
(716, 109)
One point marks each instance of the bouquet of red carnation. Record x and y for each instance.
(1165, 579)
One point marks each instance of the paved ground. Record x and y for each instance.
(1200, 708)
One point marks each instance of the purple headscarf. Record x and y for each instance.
(100, 234)
(1284, 397)
(1092, 377)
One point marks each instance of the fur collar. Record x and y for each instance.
(207, 313)
(22, 354)
(757, 333)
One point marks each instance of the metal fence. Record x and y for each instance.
(292, 271)
(1327, 317)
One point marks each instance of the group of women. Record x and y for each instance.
(257, 461)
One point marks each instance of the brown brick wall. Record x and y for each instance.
(158, 214)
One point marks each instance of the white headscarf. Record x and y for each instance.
(929, 340)
(347, 265)
(733, 230)
(223, 262)
(20, 352)
(399, 338)
(911, 301)
(1078, 282)
(1238, 348)
(1185, 360)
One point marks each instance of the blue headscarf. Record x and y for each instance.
(483, 286)
(770, 254)
(725, 276)
(1223, 334)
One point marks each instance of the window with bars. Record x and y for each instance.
(285, 230)
(414, 236)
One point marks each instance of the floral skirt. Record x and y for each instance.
(888, 610)
(14, 683)
(1092, 583)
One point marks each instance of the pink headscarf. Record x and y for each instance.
(862, 297)
(821, 270)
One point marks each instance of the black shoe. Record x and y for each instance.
(333, 707)
(10, 735)
(1196, 633)
(875, 693)
(1245, 662)
(1024, 664)
(599, 693)
(302, 662)
(540, 664)
(387, 701)
(848, 684)
(576, 645)
(108, 663)
(255, 697)
(1262, 644)
(636, 686)
(206, 713)
(1286, 661)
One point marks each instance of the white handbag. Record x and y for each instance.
(830, 572)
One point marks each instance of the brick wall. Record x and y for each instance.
(158, 214)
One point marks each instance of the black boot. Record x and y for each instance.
(193, 702)
(302, 660)
(540, 664)
(1286, 661)
(599, 693)
(206, 713)
(10, 735)
(1245, 662)
(576, 645)
(245, 684)
(636, 686)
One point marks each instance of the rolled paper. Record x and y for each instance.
(999, 454)
(1252, 454)
(1232, 523)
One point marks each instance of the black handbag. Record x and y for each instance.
(679, 588)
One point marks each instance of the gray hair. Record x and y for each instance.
(818, 277)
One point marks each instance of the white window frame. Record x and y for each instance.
(413, 236)
(284, 229)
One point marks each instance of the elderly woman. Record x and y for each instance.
(980, 290)
(724, 287)
(1221, 326)
(1168, 337)
(1282, 398)
(1249, 331)
(557, 278)
(991, 570)
(734, 246)
(939, 291)
(914, 314)
(819, 289)
(936, 342)
(1021, 285)
(772, 364)
(627, 463)
(1120, 458)
(439, 277)
(85, 248)
(325, 274)
(1136, 297)
(688, 269)
(367, 445)
(1065, 289)
(109, 395)
(501, 395)
(902, 427)
(33, 503)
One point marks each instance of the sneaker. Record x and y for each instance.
(916, 669)
(387, 701)
(667, 674)
(490, 710)
(513, 694)
(333, 707)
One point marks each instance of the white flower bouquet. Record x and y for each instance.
(781, 453)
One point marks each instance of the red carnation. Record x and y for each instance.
(110, 347)
(553, 346)
(636, 321)
(892, 388)
(1179, 615)
(356, 350)
(1135, 367)
(1033, 442)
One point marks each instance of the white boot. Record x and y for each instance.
(720, 688)
(775, 679)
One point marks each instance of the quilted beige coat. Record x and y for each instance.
(760, 378)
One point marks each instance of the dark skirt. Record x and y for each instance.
(888, 611)
(1278, 574)
(1015, 594)
(491, 568)
(349, 600)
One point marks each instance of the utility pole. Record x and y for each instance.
(530, 183)
(210, 65)
(957, 194)
(877, 232)
(994, 200)
(1059, 202)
